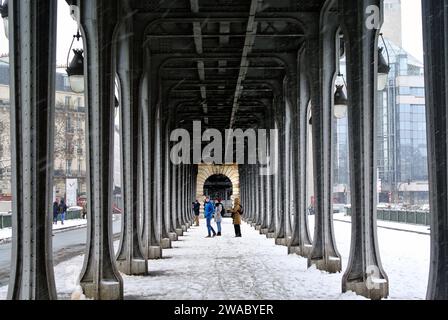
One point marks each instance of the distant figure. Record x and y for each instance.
(62, 210)
(55, 211)
(196, 207)
(209, 209)
(84, 209)
(237, 212)
(218, 214)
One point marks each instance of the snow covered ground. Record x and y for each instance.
(6, 233)
(253, 267)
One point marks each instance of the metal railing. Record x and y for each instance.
(417, 217)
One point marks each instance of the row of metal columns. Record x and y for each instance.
(152, 217)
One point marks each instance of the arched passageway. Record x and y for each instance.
(219, 186)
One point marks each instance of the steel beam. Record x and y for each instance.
(32, 36)
(99, 276)
(435, 26)
(130, 258)
(364, 274)
(322, 69)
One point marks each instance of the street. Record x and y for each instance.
(66, 245)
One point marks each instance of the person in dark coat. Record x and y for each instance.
(62, 210)
(196, 207)
(55, 211)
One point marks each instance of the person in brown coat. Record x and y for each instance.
(237, 211)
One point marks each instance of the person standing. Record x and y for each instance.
(237, 212)
(209, 209)
(218, 215)
(55, 211)
(196, 206)
(62, 210)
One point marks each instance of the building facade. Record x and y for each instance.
(69, 143)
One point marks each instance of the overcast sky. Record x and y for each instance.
(411, 19)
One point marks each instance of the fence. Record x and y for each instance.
(403, 216)
(6, 219)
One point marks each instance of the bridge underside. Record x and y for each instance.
(252, 64)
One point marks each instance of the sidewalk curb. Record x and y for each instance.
(391, 228)
(9, 240)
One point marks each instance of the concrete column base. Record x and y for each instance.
(135, 268)
(154, 252)
(253, 224)
(184, 228)
(281, 241)
(106, 290)
(270, 235)
(173, 236)
(258, 227)
(188, 225)
(379, 288)
(331, 265)
(165, 243)
(303, 251)
(179, 232)
(264, 231)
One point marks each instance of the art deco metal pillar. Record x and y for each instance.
(32, 36)
(364, 274)
(273, 189)
(300, 240)
(280, 183)
(320, 51)
(435, 25)
(130, 258)
(171, 195)
(257, 193)
(151, 236)
(99, 276)
(165, 241)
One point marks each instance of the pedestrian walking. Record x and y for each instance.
(55, 211)
(209, 209)
(218, 214)
(62, 210)
(237, 212)
(196, 207)
(84, 209)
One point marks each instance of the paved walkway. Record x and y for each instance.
(253, 267)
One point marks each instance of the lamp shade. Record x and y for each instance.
(4, 14)
(383, 70)
(340, 103)
(75, 72)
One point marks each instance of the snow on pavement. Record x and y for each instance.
(253, 267)
(6, 233)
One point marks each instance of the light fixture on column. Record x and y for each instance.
(4, 14)
(75, 69)
(383, 67)
(340, 100)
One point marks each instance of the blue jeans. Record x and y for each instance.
(218, 224)
(62, 217)
(209, 226)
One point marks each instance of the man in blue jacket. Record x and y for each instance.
(209, 209)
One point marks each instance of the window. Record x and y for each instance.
(68, 101)
(69, 167)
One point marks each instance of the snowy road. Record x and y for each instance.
(253, 267)
(66, 244)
